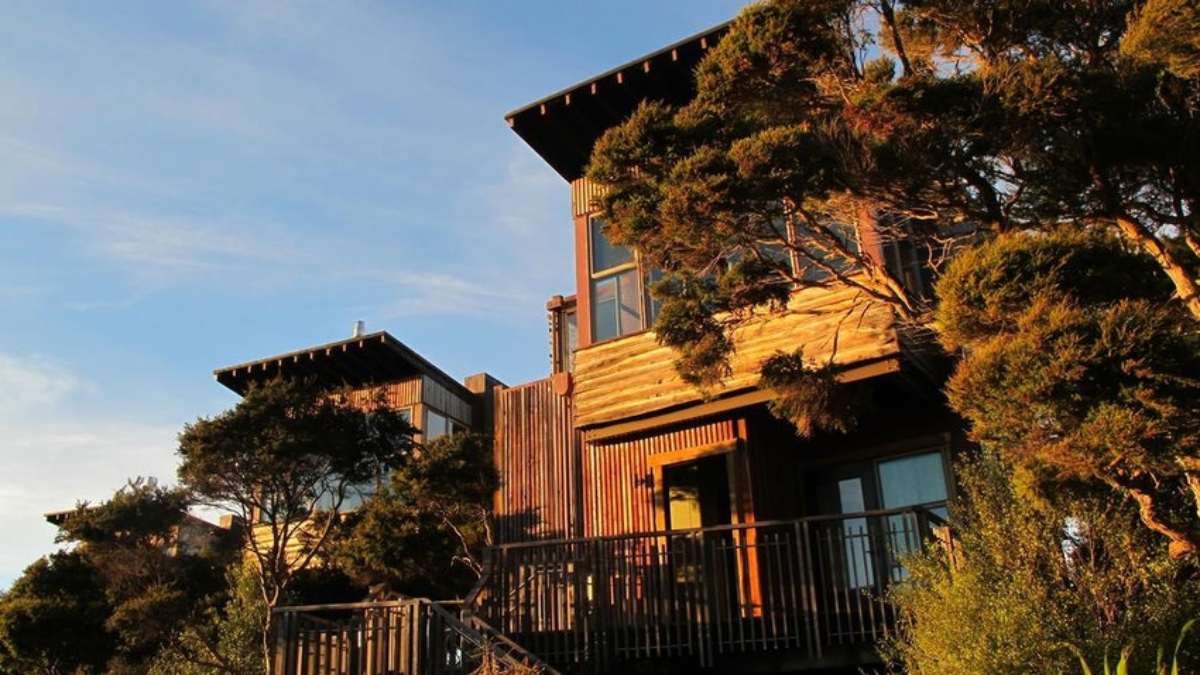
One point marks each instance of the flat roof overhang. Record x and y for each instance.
(360, 361)
(563, 127)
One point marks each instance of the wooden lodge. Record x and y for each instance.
(644, 524)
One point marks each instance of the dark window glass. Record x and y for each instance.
(436, 425)
(605, 255)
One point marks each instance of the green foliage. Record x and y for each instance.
(286, 458)
(772, 162)
(53, 619)
(1165, 33)
(422, 533)
(1076, 363)
(978, 116)
(810, 397)
(1161, 667)
(152, 580)
(988, 288)
(1037, 567)
(223, 638)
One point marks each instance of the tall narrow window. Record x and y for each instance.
(569, 334)
(616, 289)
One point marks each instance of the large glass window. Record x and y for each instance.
(438, 425)
(913, 480)
(616, 288)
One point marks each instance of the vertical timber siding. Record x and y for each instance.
(536, 455)
(584, 194)
(618, 487)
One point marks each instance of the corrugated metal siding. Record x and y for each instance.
(618, 486)
(536, 451)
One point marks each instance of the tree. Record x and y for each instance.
(53, 619)
(1076, 364)
(224, 637)
(775, 176)
(152, 580)
(1096, 118)
(1039, 572)
(799, 155)
(422, 533)
(286, 459)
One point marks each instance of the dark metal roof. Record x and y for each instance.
(564, 126)
(373, 358)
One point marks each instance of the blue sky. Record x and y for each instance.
(186, 185)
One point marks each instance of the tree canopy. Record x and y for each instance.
(422, 533)
(849, 142)
(53, 619)
(1076, 364)
(122, 592)
(289, 459)
(1037, 573)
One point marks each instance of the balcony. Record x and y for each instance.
(809, 592)
(812, 590)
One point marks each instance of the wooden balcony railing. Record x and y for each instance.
(812, 585)
(403, 637)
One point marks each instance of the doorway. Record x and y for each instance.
(697, 493)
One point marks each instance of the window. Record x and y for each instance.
(818, 257)
(617, 290)
(568, 335)
(605, 255)
(438, 425)
(856, 538)
(904, 262)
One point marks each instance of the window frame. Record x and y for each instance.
(641, 290)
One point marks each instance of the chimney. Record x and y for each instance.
(359, 329)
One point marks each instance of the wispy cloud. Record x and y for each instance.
(52, 456)
(33, 382)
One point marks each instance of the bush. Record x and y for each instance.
(1036, 570)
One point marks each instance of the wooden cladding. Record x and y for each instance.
(399, 394)
(583, 196)
(618, 478)
(536, 456)
(421, 390)
(436, 396)
(635, 375)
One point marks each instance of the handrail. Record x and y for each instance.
(476, 637)
(473, 629)
(915, 508)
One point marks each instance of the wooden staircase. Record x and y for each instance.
(414, 636)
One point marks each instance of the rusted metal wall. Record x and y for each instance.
(536, 455)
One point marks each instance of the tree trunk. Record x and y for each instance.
(1186, 288)
(1184, 542)
(268, 627)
